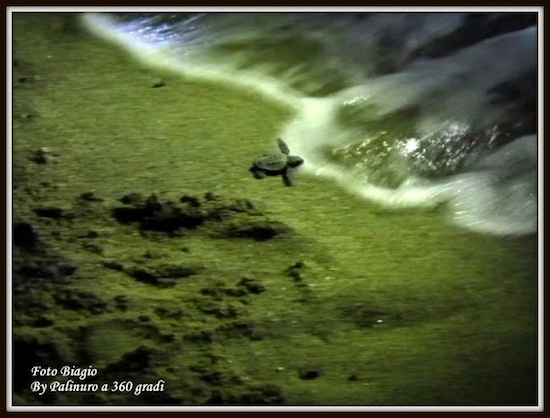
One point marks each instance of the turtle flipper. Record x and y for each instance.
(286, 178)
(283, 146)
(258, 174)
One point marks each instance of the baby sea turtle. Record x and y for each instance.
(276, 164)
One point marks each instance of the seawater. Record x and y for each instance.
(401, 109)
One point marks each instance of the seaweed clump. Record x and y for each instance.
(222, 217)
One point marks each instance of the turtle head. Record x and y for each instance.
(294, 161)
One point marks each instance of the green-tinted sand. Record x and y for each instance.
(392, 308)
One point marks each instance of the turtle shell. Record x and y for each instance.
(272, 162)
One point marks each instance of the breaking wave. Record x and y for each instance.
(401, 109)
